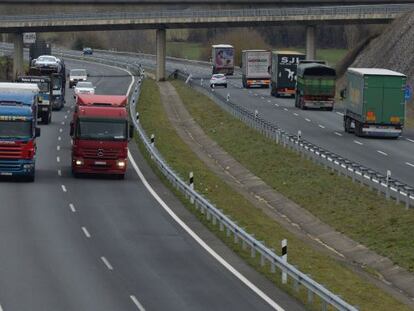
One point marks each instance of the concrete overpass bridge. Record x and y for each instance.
(170, 19)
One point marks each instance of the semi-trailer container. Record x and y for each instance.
(256, 68)
(283, 73)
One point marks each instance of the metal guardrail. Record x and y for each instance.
(390, 187)
(217, 217)
(363, 10)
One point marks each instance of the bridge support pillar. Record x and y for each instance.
(161, 51)
(18, 55)
(310, 42)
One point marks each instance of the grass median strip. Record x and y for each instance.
(356, 211)
(325, 270)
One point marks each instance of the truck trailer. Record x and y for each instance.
(374, 102)
(100, 134)
(256, 68)
(18, 133)
(223, 59)
(315, 86)
(283, 73)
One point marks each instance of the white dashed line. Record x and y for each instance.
(358, 142)
(57, 147)
(269, 101)
(307, 119)
(58, 159)
(107, 264)
(59, 138)
(339, 134)
(72, 208)
(321, 126)
(340, 113)
(64, 188)
(409, 164)
(86, 232)
(295, 114)
(285, 109)
(63, 122)
(410, 140)
(60, 130)
(277, 105)
(137, 303)
(66, 117)
(262, 98)
(59, 172)
(382, 152)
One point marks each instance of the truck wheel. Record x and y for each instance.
(49, 118)
(358, 129)
(31, 177)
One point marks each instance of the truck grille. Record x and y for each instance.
(101, 153)
(10, 165)
(10, 152)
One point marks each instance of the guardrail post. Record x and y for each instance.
(388, 184)
(152, 140)
(324, 305)
(310, 296)
(191, 181)
(137, 117)
(201, 81)
(228, 97)
(284, 258)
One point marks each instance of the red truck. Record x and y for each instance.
(100, 135)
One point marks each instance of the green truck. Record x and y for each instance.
(374, 102)
(315, 85)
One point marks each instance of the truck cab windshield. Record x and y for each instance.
(43, 87)
(95, 129)
(15, 129)
(56, 83)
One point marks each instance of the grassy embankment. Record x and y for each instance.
(327, 271)
(356, 211)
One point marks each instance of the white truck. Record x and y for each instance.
(223, 59)
(256, 68)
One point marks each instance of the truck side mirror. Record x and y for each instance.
(37, 132)
(342, 94)
(131, 131)
(72, 129)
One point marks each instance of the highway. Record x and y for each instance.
(103, 244)
(322, 128)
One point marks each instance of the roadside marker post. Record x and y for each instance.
(388, 186)
(192, 186)
(284, 258)
(152, 140)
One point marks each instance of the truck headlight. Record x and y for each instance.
(27, 166)
(79, 162)
(121, 164)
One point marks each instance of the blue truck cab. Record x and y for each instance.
(18, 133)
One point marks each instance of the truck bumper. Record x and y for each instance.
(318, 104)
(381, 131)
(258, 82)
(16, 167)
(286, 92)
(99, 166)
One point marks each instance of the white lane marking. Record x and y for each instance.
(72, 208)
(107, 264)
(340, 113)
(409, 164)
(339, 134)
(382, 152)
(410, 140)
(203, 244)
(137, 303)
(66, 116)
(64, 188)
(86, 232)
(60, 130)
(285, 109)
(57, 147)
(269, 101)
(358, 142)
(277, 105)
(262, 98)
(295, 114)
(307, 119)
(59, 138)
(321, 126)
(58, 159)
(59, 172)
(63, 122)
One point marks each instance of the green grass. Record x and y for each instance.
(356, 211)
(186, 50)
(327, 271)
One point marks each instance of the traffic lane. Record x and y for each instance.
(46, 263)
(149, 252)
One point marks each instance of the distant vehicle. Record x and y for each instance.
(87, 51)
(315, 86)
(40, 47)
(218, 80)
(45, 61)
(84, 87)
(100, 134)
(374, 102)
(44, 84)
(223, 59)
(76, 75)
(283, 73)
(256, 68)
(18, 130)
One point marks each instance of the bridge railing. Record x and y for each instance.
(216, 216)
(362, 10)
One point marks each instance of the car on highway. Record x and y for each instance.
(46, 61)
(84, 87)
(87, 51)
(76, 75)
(218, 80)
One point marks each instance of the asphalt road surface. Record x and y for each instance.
(103, 244)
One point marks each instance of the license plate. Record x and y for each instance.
(44, 109)
(5, 174)
(100, 163)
